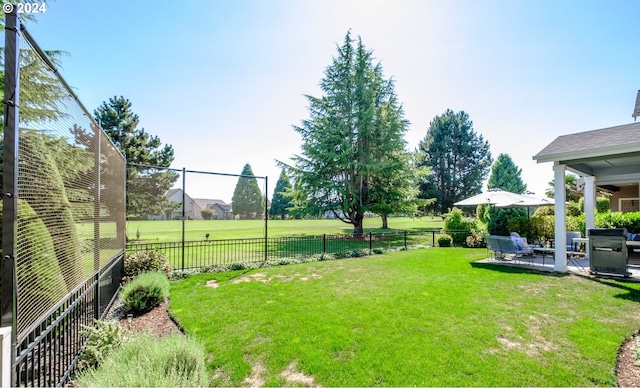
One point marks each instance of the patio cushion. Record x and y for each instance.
(520, 242)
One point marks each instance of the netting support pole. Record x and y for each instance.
(96, 221)
(184, 201)
(10, 196)
(266, 218)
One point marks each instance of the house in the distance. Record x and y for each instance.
(193, 207)
(221, 210)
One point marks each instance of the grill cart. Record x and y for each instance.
(608, 251)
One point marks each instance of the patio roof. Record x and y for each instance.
(611, 154)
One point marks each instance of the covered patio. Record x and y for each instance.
(607, 158)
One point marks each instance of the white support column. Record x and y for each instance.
(589, 202)
(560, 196)
(5, 356)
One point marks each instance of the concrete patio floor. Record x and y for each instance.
(540, 263)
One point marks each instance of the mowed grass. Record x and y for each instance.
(195, 230)
(427, 317)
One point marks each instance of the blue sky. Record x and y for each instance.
(224, 81)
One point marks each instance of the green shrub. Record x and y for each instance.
(145, 292)
(104, 337)
(144, 361)
(499, 220)
(481, 212)
(544, 211)
(542, 228)
(458, 226)
(573, 209)
(444, 240)
(475, 240)
(238, 266)
(139, 262)
(576, 223)
(603, 205)
(521, 225)
(631, 221)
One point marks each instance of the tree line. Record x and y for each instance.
(353, 161)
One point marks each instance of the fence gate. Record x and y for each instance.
(63, 218)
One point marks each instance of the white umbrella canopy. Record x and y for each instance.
(504, 199)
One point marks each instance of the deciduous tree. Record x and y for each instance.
(396, 192)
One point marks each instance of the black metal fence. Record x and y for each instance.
(63, 216)
(205, 253)
(48, 354)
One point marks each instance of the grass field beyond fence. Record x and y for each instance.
(429, 317)
(197, 230)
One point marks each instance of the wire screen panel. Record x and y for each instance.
(70, 193)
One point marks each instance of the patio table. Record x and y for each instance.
(544, 252)
(572, 257)
(582, 240)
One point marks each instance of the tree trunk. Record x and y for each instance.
(358, 229)
(385, 225)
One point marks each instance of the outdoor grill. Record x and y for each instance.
(608, 251)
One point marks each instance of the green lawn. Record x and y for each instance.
(427, 317)
(158, 231)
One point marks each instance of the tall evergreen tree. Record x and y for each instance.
(459, 159)
(145, 186)
(505, 175)
(247, 201)
(352, 143)
(281, 202)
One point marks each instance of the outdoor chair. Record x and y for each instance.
(493, 245)
(571, 246)
(502, 245)
(573, 250)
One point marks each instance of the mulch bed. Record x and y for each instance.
(627, 371)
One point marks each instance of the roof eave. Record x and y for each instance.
(590, 153)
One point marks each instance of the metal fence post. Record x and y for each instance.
(324, 243)
(370, 242)
(405, 239)
(10, 189)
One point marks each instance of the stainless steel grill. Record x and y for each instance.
(608, 251)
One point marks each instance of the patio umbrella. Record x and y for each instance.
(504, 199)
